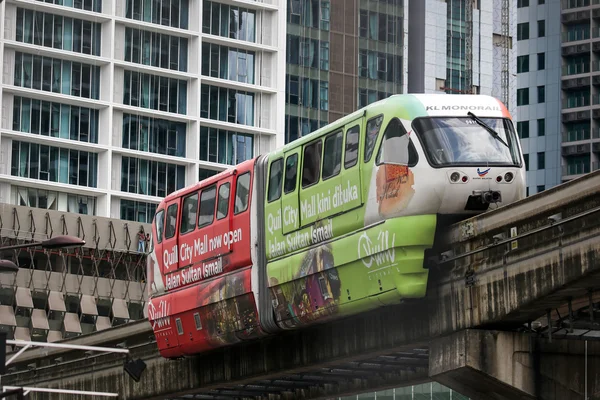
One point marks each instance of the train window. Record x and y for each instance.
(275, 180)
(197, 321)
(311, 165)
(352, 139)
(332, 164)
(242, 193)
(291, 171)
(188, 213)
(179, 326)
(373, 127)
(223, 203)
(171, 221)
(159, 220)
(396, 147)
(207, 206)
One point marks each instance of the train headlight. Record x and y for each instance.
(508, 177)
(455, 177)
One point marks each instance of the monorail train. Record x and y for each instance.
(333, 224)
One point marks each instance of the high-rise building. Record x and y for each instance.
(539, 93)
(558, 89)
(109, 105)
(579, 86)
(345, 54)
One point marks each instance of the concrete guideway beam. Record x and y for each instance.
(510, 365)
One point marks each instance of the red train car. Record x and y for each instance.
(202, 284)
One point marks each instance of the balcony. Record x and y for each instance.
(576, 83)
(573, 17)
(579, 49)
(576, 135)
(576, 69)
(578, 116)
(576, 150)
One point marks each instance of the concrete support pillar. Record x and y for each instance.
(511, 365)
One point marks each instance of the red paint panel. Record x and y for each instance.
(212, 314)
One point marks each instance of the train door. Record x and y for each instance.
(289, 199)
(223, 230)
(170, 248)
(310, 191)
(350, 176)
(206, 215)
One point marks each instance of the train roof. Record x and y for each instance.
(441, 100)
(245, 165)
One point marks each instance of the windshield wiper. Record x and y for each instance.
(487, 128)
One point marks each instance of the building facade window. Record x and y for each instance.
(296, 127)
(58, 76)
(523, 64)
(368, 96)
(526, 159)
(55, 120)
(541, 61)
(225, 147)
(227, 63)
(523, 129)
(308, 52)
(58, 32)
(541, 92)
(229, 105)
(155, 92)
(53, 200)
(54, 164)
(523, 31)
(541, 28)
(308, 13)
(204, 173)
(156, 49)
(151, 178)
(87, 5)
(154, 135)
(307, 92)
(380, 66)
(522, 97)
(381, 27)
(541, 160)
(138, 211)
(173, 13)
(577, 165)
(228, 21)
(522, 3)
(541, 127)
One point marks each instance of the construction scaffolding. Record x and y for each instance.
(505, 45)
(58, 294)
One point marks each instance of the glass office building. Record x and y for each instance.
(345, 54)
(108, 106)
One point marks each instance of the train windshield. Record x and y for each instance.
(463, 141)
